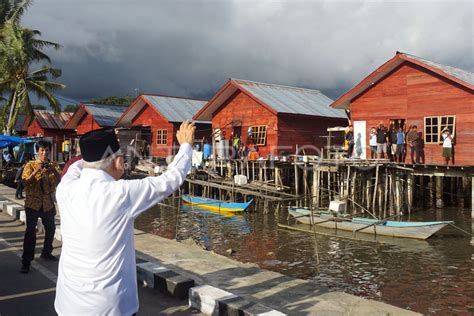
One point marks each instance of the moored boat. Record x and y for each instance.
(404, 229)
(216, 205)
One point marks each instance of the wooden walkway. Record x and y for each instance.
(380, 187)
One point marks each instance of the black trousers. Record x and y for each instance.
(19, 189)
(350, 150)
(29, 243)
(415, 153)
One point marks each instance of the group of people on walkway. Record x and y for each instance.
(396, 142)
(97, 273)
(242, 150)
(393, 143)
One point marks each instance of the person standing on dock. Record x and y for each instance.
(350, 141)
(373, 143)
(400, 150)
(382, 140)
(447, 145)
(393, 142)
(40, 177)
(19, 183)
(97, 272)
(413, 140)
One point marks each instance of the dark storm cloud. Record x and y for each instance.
(191, 48)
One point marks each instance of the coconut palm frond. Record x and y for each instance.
(18, 9)
(41, 44)
(43, 91)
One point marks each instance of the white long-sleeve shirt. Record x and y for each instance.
(97, 273)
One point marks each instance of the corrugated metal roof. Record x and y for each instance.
(49, 119)
(284, 99)
(460, 74)
(20, 120)
(175, 109)
(105, 115)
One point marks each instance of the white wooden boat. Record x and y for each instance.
(404, 229)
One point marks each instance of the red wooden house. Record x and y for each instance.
(159, 117)
(49, 125)
(417, 92)
(89, 117)
(279, 117)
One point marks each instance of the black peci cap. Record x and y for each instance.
(98, 144)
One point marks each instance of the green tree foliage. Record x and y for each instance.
(70, 108)
(118, 100)
(20, 48)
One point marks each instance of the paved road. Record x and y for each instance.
(33, 293)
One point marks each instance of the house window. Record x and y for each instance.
(259, 135)
(434, 125)
(161, 136)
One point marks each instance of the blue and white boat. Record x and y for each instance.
(404, 229)
(216, 205)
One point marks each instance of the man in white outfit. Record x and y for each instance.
(97, 273)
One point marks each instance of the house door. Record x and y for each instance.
(397, 123)
(359, 139)
(238, 131)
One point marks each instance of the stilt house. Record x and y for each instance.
(409, 90)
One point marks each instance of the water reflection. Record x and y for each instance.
(431, 277)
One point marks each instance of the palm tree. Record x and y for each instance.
(19, 49)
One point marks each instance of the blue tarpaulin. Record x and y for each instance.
(7, 141)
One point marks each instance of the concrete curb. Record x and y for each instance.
(57, 233)
(4, 205)
(214, 301)
(205, 298)
(22, 217)
(164, 279)
(17, 211)
(14, 210)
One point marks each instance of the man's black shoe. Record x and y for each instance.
(49, 257)
(25, 268)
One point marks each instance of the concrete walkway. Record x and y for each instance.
(33, 293)
(282, 293)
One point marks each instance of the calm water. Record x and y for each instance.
(430, 277)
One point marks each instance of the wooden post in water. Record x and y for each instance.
(422, 190)
(472, 198)
(439, 192)
(375, 187)
(277, 175)
(317, 186)
(353, 191)
(329, 185)
(459, 192)
(466, 191)
(385, 195)
(297, 186)
(380, 196)
(431, 192)
(472, 211)
(453, 199)
(305, 182)
(368, 182)
(410, 182)
(398, 195)
(391, 185)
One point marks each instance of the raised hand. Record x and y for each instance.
(185, 133)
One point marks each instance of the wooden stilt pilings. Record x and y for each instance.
(383, 188)
(439, 192)
(472, 197)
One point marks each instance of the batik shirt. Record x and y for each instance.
(39, 190)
